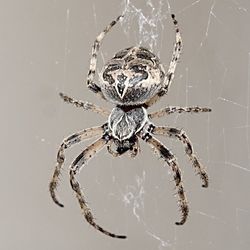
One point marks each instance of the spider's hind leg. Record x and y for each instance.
(68, 142)
(75, 168)
(167, 155)
(181, 135)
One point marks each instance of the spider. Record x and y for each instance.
(133, 80)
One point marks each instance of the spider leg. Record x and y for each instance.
(93, 61)
(172, 66)
(75, 168)
(167, 155)
(181, 135)
(68, 142)
(174, 109)
(85, 105)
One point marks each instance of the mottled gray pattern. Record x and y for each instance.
(132, 76)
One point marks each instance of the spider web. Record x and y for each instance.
(214, 71)
(45, 49)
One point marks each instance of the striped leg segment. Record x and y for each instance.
(85, 105)
(181, 135)
(93, 61)
(174, 109)
(172, 66)
(75, 168)
(166, 154)
(68, 142)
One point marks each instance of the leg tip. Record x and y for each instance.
(179, 223)
(58, 203)
(182, 221)
(174, 20)
(121, 17)
(122, 237)
(63, 96)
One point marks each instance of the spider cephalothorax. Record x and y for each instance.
(124, 125)
(133, 80)
(132, 76)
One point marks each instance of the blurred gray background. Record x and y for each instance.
(45, 49)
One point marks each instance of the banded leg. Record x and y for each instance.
(181, 135)
(93, 61)
(68, 142)
(172, 162)
(75, 168)
(174, 109)
(85, 105)
(172, 66)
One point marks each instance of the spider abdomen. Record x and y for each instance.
(132, 77)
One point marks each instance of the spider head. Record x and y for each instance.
(132, 77)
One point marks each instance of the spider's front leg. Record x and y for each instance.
(75, 168)
(172, 66)
(181, 135)
(166, 154)
(93, 61)
(68, 142)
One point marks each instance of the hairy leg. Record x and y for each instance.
(172, 66)
(166, 154)
(93, 61)
(174, 109)
(75, 168)
(181, 135)
(85, 105)
(68, 142)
